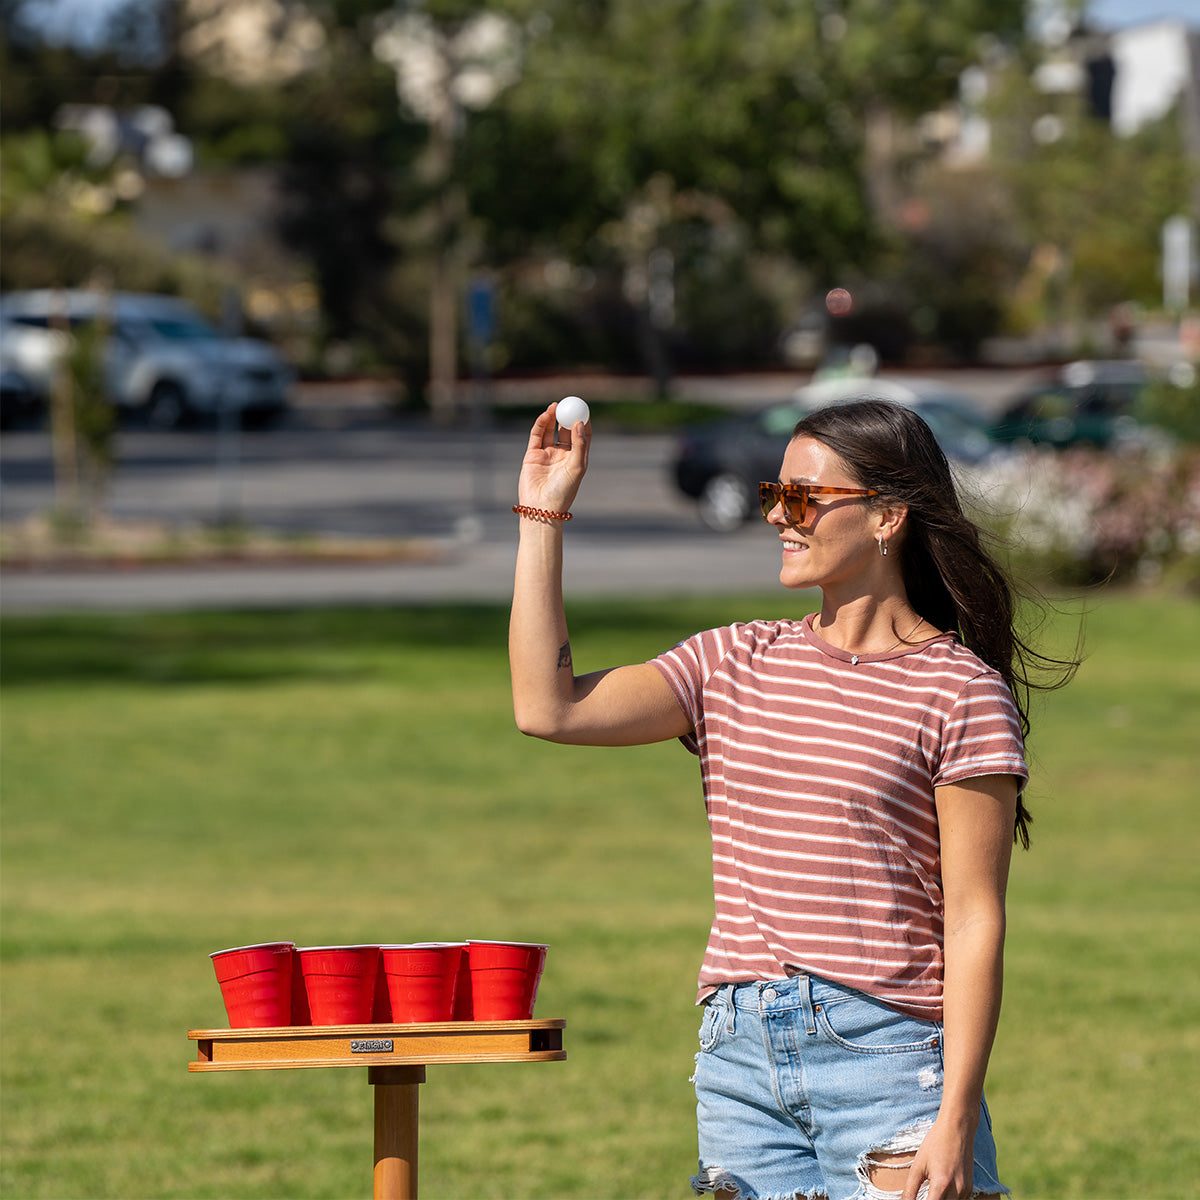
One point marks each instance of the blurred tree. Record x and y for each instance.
(1055, 170)
(65, 203)
(94, 418)
(954, 256)
(348, 191)
(753, 116)
(448, 58)
(683, 163)
(1127, 186)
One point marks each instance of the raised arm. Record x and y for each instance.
(623, 706)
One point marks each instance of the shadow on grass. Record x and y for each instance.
(263, 645)
(235, 646)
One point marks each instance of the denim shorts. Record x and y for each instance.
(799, 1081)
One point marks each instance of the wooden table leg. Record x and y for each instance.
(396, 1119)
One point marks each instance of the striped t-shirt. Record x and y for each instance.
(818, 769)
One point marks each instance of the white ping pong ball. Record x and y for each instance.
(571, 409)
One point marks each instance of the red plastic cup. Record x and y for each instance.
(256, 984)
(504, 979)
(422, 978)
(340, 983)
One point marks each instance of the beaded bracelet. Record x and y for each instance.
(523, 510)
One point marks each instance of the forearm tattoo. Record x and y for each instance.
(564, 656)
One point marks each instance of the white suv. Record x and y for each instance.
(162, 359)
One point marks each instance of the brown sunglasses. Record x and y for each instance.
(794, 498)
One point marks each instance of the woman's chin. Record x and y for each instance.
(792, 577)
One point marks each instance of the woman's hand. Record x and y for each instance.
(946, 1159)
(551, 472)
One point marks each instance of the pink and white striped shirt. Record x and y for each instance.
(819, 769)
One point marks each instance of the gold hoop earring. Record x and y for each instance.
(882, 543)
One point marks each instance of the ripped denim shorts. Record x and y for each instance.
(799, 1082)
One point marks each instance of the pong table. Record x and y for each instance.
(395, 1057)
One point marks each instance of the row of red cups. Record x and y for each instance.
(281, 984)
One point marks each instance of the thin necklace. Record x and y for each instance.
(902, 638)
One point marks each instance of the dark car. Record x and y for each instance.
(1086, 403)
(720, 464)
(19, 404)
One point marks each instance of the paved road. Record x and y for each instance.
(343, 465)
(366, 475)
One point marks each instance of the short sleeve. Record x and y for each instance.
(687, 668)
(982, 734)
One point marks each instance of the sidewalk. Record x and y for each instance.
(479, 571)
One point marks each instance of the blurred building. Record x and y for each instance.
(1126, 77)
(1138, 75)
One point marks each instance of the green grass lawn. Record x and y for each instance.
(175, 784)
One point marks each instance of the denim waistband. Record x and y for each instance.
(775, 992)
(792, 993)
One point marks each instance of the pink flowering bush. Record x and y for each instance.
(1082, 516)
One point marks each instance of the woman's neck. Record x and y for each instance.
(869, 626)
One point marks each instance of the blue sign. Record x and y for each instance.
(481, 309)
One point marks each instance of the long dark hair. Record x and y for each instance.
(951, 578)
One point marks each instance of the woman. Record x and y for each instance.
(862, 773)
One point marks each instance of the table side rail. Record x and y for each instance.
(367, 1045)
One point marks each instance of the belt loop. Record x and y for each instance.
(731, 1000)
(804, 987)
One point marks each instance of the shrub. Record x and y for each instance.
(1084, 516)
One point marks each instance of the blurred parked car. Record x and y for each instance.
(162, 360)
(19, 403)
(1090, 403)
(720, 465)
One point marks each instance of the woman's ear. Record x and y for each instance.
(890, 518)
